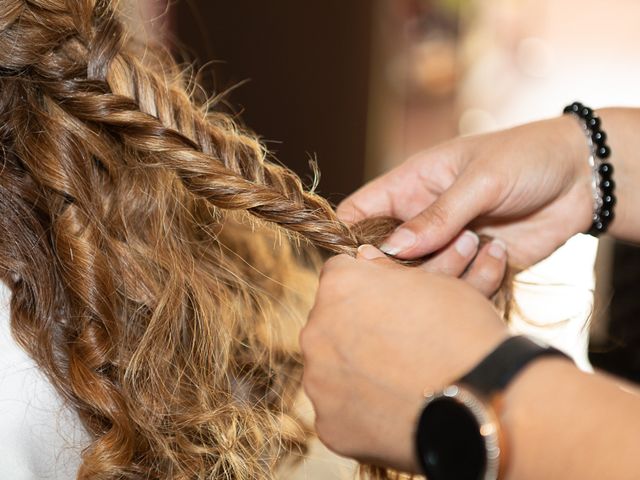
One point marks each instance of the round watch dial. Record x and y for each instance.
(452, 438)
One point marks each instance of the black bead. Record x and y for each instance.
(599, 227)
(606, 215)
(605, 170)
(586, 113)
(593, 123)
(574, 108)
(603, 151)
(608, 201)
(595, 218)
(607, 185)
(599, 137)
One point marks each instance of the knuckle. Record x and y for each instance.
(314, 382)
(329, 437)
(305, 340)
(441, 267)
(335, 263)
(436, 216)
(308, 381)
(310, 339)
(490, 185)
(341, 277)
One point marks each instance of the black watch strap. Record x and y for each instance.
(499, 367)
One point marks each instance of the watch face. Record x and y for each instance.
(450, 443)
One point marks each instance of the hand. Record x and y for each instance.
(378, 336)
(529, 186)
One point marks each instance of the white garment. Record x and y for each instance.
(40, 438)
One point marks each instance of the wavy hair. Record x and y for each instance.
(160, 265)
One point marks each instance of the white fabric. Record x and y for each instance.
(39, 437)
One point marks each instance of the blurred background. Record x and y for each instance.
(360, 85)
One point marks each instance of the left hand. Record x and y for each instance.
(378, 336)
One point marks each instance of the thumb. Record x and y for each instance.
(440, 222)
(369, 252)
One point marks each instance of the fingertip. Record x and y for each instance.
(467, 244)
(406, 244)
(401, 241)
(369, 252)
(488, 269)
(335, 262)
(497, 249)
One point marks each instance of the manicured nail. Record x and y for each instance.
(369, 252)
(401, 240)
(497, 249)
(467, 244)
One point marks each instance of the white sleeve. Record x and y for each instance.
(40, 438)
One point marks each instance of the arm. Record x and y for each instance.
(565, 424)
(623, 128)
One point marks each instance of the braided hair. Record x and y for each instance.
(160, 265)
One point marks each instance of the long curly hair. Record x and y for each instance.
(160, 265)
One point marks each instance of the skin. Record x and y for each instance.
(482, 268)
(528, 186)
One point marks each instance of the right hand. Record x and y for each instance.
(529, 186)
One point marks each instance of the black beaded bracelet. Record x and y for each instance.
(603, 185)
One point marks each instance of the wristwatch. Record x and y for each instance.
(458, 436)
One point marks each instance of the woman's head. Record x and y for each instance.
(158, 262)
(160, 265)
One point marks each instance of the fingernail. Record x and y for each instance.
(400, 241)
(467, 244)
(369, 252)
(497, 249)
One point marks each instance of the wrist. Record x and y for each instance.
(575, 147)
(620, 124)
(532, 392)
(575, 151)
(459, 433)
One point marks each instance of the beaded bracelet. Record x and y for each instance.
(602, 184)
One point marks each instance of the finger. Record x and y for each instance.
(369, 252)
(370, 200)
(372, 254)
(456, 257)
(393, 194)
(488, 269)
(334, 263)
(441, 221)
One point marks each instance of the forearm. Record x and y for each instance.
(565, 424)
(622, 126)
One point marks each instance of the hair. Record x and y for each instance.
(160, 265)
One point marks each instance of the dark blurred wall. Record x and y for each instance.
(308, 66)
(620, 353)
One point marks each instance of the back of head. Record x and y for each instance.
(160, 266)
